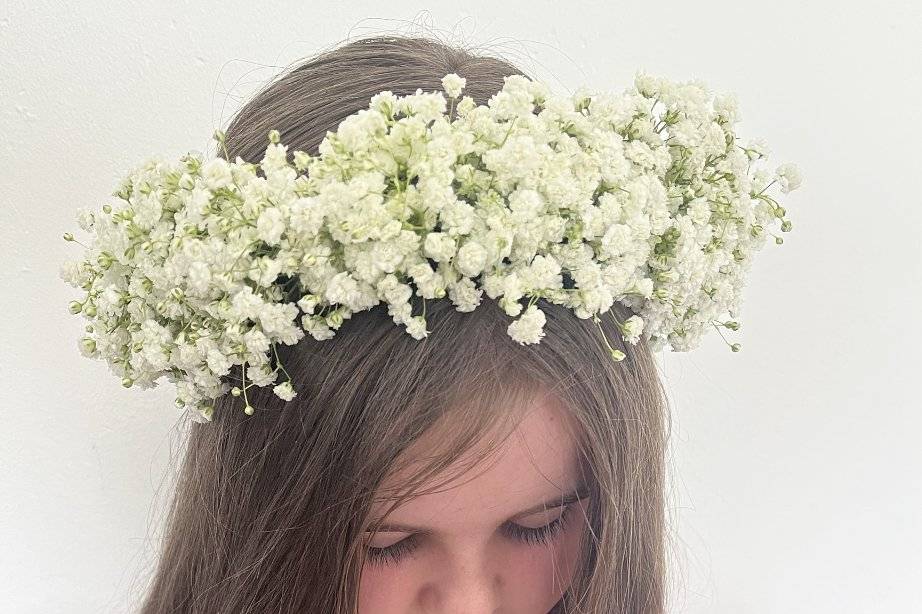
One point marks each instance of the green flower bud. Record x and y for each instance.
(76, 307)
(302, 159)
(68, 236)
(735, 347)
(89, 344)
(335, 319)
(618, 355)
(90, 310)
(274, 136)
(235, 391)
(127, 382)
(778, 240)
(248, 410)
(786, 226)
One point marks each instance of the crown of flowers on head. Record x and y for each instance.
(645, 198)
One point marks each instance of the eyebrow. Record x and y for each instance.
(558, 501)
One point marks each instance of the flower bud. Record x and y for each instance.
(68, 236)
(735, 347)
(76, 307)
(335, 319)
(248, 410)
(301, 160)
(235, 391)
(617, 355)
(90, 310)
(127, 382)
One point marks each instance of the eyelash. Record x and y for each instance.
(394, 554)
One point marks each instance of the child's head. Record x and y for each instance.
(458, 433)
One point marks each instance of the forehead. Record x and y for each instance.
(537, 462)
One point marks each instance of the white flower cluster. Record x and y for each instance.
(645, 198)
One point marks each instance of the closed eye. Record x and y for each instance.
(391, 555)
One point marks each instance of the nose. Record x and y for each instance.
(473, 586)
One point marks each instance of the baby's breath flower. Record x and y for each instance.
(453, 84)
(529, 327)
(271, 225)
(197, 267)
(416, 327)
(285, 391)
(789, 175)
(632, 328)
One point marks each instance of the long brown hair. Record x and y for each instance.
(270, 508)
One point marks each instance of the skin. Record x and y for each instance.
(464, 558)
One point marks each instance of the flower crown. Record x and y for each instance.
(644, 198)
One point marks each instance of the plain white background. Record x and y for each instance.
(795, 464)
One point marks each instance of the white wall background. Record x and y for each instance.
(795, 463)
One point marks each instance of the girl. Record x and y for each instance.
(460, 473)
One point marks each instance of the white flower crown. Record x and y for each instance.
(643, 198)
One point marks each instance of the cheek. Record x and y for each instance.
(548, 572)
(383, 592)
